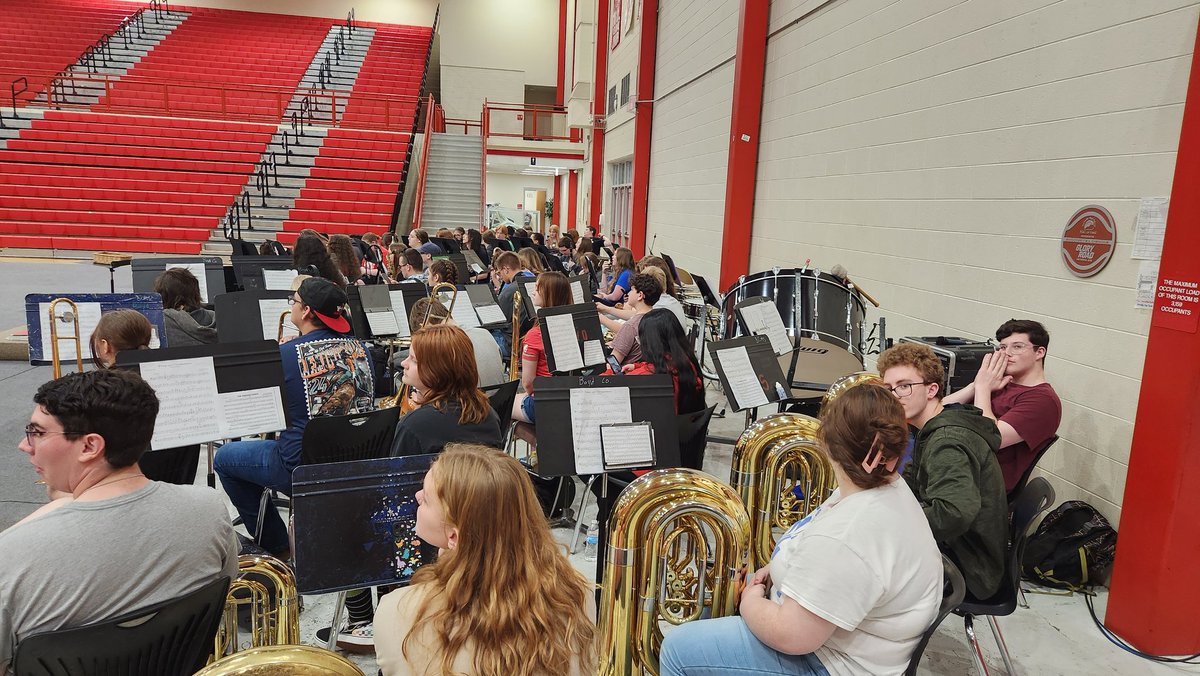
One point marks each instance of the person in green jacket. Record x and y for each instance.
(953, 471)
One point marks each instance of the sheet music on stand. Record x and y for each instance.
(253, 315)
(487, 307)
(250, 272)
(377, 309)
(528, 307)
(572, 336)
(586, 403)
(627, 445)
(461, 309)
(210, 392)
(760, 317)
(90, 307)
(208, 270)
(398, 299)
(749, 372)
(581, 290)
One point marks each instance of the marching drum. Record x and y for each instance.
(813, 304)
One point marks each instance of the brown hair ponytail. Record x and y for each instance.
(864, 419)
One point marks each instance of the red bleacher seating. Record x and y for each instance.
(78, 180)
(239, 65)
(39, 38)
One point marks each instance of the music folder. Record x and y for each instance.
(573, 338)
(401, 298)
(582, 405)
(758, 315)
(208, 270)
(460, 263)
(581, 289)
(475, 264)
(749, 372)
(355, 523)
(263, 272)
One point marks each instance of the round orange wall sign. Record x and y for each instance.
(1089, 240)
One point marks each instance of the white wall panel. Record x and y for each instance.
(937, 149)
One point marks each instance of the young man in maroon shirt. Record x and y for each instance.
(1011, 389)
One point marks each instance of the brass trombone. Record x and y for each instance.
(72, 316)
(274, 618)
(433, 294)
(283, 318)
(677, 539)
(514, 359)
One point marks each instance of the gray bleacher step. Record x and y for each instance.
(121, 57)
(344, 68)
(12, 126)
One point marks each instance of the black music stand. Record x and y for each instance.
(651, 399)
(706, 291)
(448, 244)
(765, 364)
(248, 270)
(409, 292)
(588, 334)
(250, 315)
(581, 289)
(245, 373)
(91, 306)
(355, 523)
(756, 303)
(146, 270)
(484, 296)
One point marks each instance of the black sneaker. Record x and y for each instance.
(356, 637)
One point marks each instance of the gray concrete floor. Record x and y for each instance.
(1055, 635)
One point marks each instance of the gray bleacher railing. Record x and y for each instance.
(12, 88)
(231, 223)
(412, 134)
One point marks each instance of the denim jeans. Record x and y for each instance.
(726, 646)
(246, 468)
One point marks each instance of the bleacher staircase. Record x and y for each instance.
(452, 182)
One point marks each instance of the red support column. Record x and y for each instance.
(572, 196)
(742, 172)
(1154, 588)
(556, 218)
(643, 128)
(560, 96)
(600, 85)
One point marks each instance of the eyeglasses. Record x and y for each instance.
(292, 300)
(905, 389)
(1013, 348)
(33, 432)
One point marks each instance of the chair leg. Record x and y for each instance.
(335, 625)
(1021, 601)
(579, 515)
(264, 501)
(1008, 665)
(976, 651)
(509, 447)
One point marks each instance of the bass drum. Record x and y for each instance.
(813, 305)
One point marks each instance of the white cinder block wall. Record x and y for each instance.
(689, 148)
(936, 148)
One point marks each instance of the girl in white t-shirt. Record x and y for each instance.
(850, 588)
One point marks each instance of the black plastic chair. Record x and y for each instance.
(171, 638)
(693, 437)
(954, 588)
(1037, 457)
(501, 397)
(1036, 498)
(171, 465)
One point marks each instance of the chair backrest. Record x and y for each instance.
(954, 589)
(171, 638)
(1037, 457)
(693, 436)
(501, 397)
(1036, 498)
(296, 660)
(341, 438)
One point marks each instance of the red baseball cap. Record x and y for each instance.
(328, 302)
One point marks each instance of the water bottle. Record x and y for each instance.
(591, 541)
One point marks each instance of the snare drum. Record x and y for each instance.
(813, 305)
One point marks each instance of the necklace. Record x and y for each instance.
(105, 483)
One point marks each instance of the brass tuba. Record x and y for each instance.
(676, 541)
(293, 660)
(69, 317)
(780, 475)
(846, 382)
(274, 619)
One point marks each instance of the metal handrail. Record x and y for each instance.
(419, 195)
(523, 109)
(412, 135)
(12, 87)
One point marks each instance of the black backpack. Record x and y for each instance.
(1072, 548)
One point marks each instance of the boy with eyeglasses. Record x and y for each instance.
(953, 471)
(1011, 389)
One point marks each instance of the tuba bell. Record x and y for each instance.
(274, 617)
(781, 475)
(676, 540)
(846, 382)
